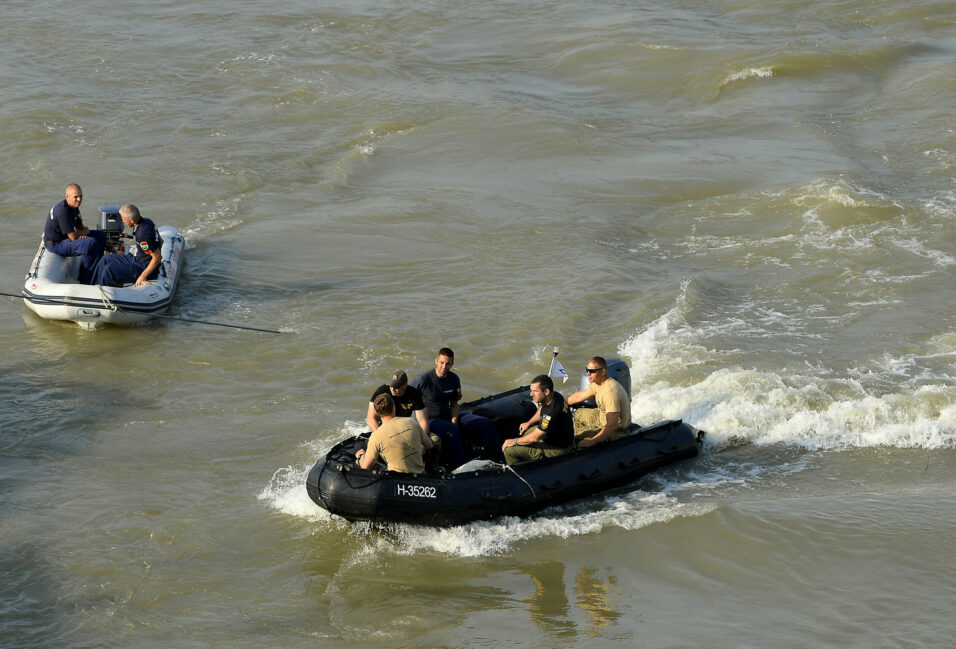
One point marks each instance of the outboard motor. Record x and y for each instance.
(112, 224)
(620, 372)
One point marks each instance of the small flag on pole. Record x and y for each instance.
(557, 371)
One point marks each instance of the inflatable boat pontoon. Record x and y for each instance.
(52, 291)
(439, 498)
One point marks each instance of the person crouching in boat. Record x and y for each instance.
(408, 403)
(117, 270)
(550, 432)
(612, 418)
(399, 441)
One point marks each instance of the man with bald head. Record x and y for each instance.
(65, 234)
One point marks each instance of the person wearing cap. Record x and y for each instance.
(398, 441)
(441, 389)
(408, 401)
(612, 418)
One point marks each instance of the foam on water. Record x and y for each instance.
(286, 493)
(756, 72)
(218, 218)
(903, 402)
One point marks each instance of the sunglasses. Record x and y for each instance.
(590, 371)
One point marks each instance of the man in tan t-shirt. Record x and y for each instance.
(612, 418)
(399, 440)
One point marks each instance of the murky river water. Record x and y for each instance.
(751, 203)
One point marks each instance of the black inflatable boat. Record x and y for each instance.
(340, 486)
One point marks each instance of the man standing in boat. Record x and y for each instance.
(441, 389)
(550, 432)
(612, 417)
(65, 234)
(399, 441)
(118, 270)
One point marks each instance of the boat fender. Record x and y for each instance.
(478, 465)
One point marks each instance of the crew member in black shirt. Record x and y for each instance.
(408, 401)
(548, 433)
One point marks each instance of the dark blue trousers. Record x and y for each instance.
(480, 431)
(452, 451)
(117, 270)
(477, 431)
(89, 248)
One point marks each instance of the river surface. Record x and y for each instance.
(751, 203)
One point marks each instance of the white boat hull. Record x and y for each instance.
(52, 291)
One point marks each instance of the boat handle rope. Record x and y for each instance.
(106, 300)
(508, 467)
(35, 268)
(345, 470)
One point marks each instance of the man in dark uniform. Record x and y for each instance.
(550, 432)
(117, 270)
(65, 234)
(441, 389)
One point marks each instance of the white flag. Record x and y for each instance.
(557, 371)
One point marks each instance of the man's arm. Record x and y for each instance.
(156, 257)
(78, 233)
(422, 420)
(371, 419)
(577, 397)
(531, 422)
(613, 421)
(427, 443)
(534, 436)
(454, 413)
(367, 459)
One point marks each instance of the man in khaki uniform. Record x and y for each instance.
(612, 418)
(399, 440)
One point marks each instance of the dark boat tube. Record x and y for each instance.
(337, 484)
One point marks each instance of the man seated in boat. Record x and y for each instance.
(550, 432)
(612, 418)
(441, 389)
(118, 270)
(408, 403)
(65, 234)
(398, 441)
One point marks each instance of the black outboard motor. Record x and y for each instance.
(619, 371)
(112, 224)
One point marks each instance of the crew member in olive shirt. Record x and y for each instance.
(612, 418)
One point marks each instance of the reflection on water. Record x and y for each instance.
(548, 604)
(596, 598)
(550, 608)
